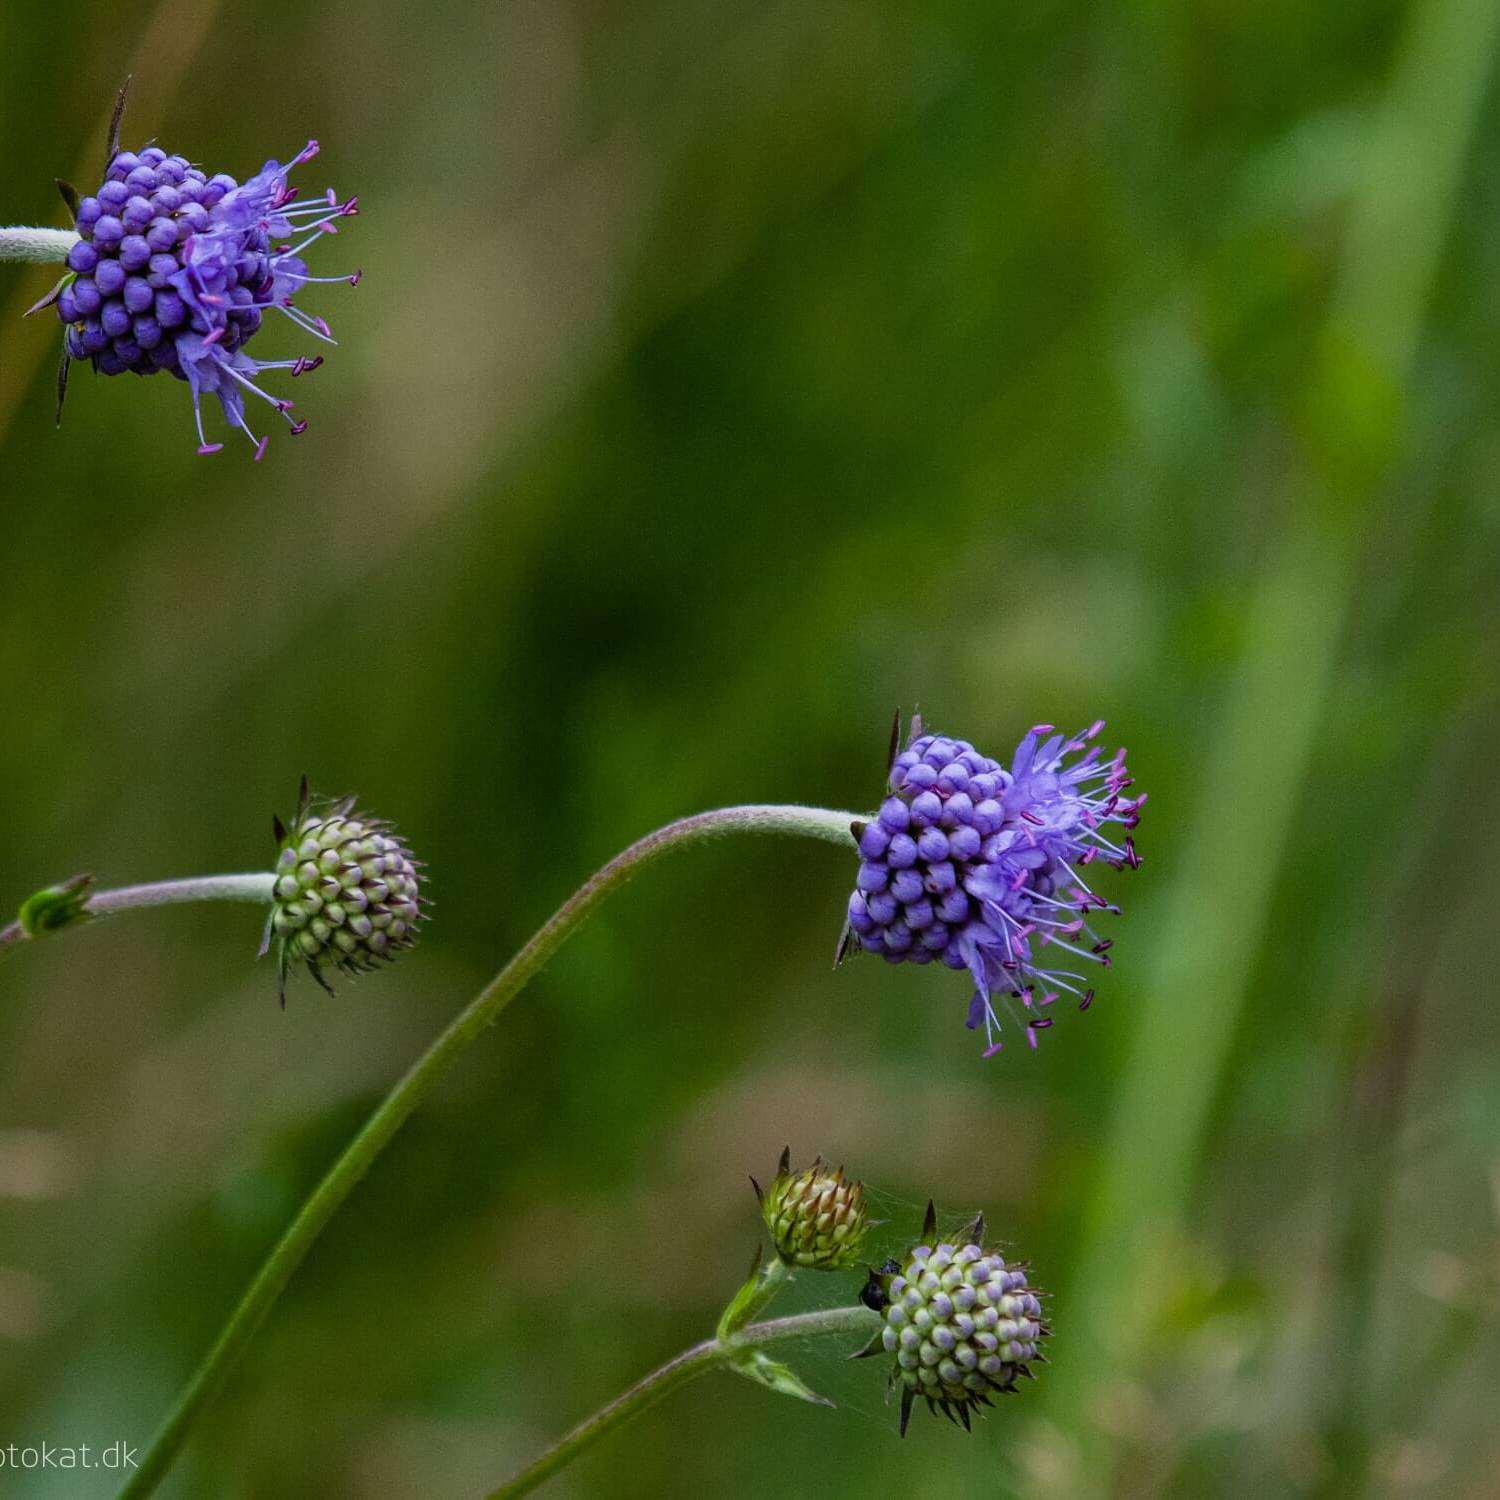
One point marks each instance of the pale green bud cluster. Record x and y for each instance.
(347, 891)
(961, 1322)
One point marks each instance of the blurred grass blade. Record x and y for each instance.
(1255, 767)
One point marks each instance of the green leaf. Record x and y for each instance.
(761, 1368)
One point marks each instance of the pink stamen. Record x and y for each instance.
(208, 448)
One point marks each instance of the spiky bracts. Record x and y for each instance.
(961, 1322)
(175, 269)
(347, 891)
(816, 1217)
(978, 866)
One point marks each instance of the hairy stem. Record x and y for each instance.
(22, 242)
(373, 1137)
(256, 889)
(688, 1365)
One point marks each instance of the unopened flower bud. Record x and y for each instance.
(347, 891)
(816, 1217)
(56, 906)
(961, 1322)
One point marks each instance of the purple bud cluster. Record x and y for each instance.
(978, 866)
(174, 270)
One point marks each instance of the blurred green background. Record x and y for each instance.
(724, 375)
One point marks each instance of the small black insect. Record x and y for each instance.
(873, 1294)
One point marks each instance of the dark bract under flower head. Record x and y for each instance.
(978, 866)
(174, 271)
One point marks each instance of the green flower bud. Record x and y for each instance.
(56, 906)
(816, 1217)
(346, 891)
(960, 1321)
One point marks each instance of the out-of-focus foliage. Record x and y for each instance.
(722, 376)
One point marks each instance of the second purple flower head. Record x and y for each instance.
(979, 867)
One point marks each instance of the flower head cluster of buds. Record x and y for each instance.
(347, 891)
(816, 1217)
(174, 270)
(962, 1323)
(979, 866)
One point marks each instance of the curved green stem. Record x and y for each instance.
(22, 242)
(691, 1363)
(63, 906)
(408, 1093)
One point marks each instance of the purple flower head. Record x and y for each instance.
(980, 867)
(174, 271)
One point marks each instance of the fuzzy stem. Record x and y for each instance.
(687, 1366)
(358, 1156)
(256, 889)
(21, 242)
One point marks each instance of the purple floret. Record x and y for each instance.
(174, 271)
(977, 866)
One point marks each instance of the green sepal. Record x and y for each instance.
(756, 1365)
(746, 1302)
(56, 906)
(63, 283)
